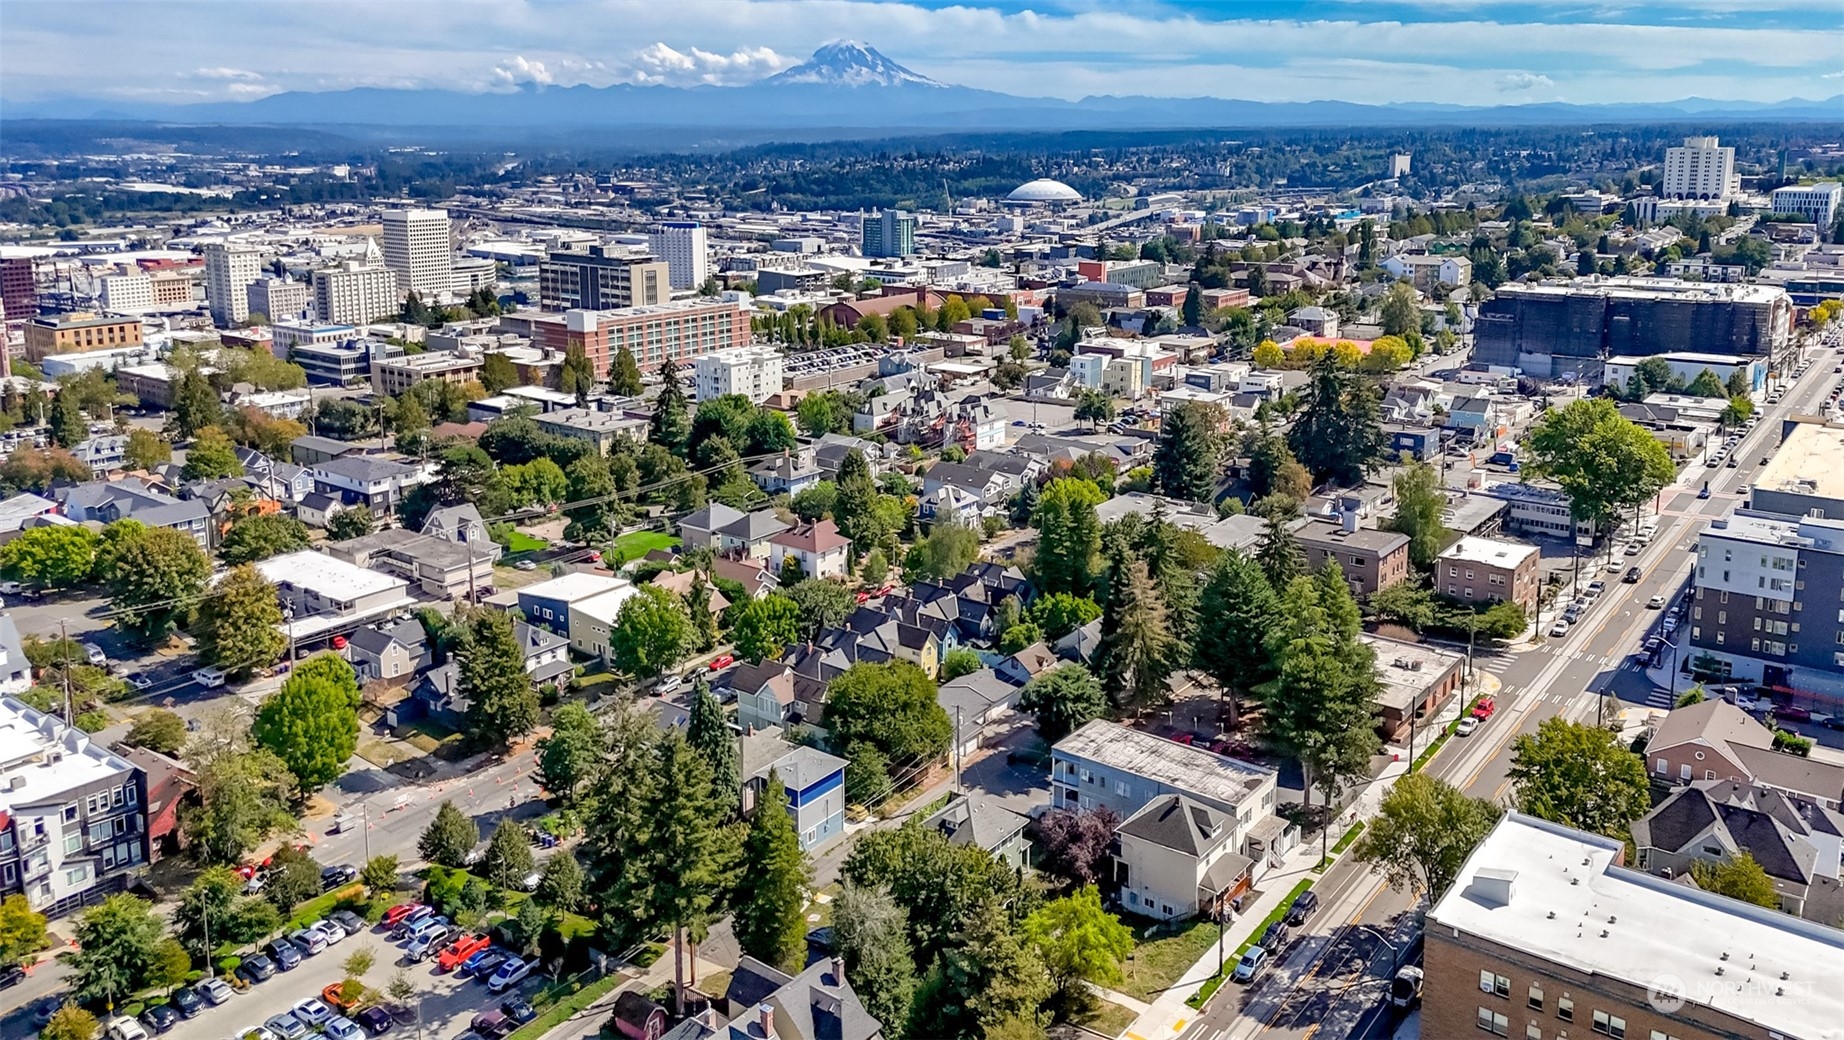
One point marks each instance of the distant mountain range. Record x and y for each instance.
(848, 86)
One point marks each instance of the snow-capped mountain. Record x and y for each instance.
(848, 63)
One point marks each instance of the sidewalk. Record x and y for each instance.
(1168, 1015)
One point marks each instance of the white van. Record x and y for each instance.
(209, 678)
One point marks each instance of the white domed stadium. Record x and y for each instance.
(1044, 191)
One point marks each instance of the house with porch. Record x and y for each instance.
(1177, 858)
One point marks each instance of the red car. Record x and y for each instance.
(1789, 713)
(862, 596)
(1184, 738)
(397, 913)
(723, 661)
(1484, 709)
(460, 950)
(887, 589)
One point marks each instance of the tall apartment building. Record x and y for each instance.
(127, 293)
(755, 372)
(1701, 169)
(681, 330)
(79, 332)
(1554, 329)
(172, 288)
(602, 279)
(355, 293)
(419, 250)
(890, 233)
(1547, 934)
(394, 375)
(73, 816)
(681, 244)
(229, 270)
(1815, 202)
(279, 298)
(18, 287)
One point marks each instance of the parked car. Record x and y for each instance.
(257, 967)
(339, 1027)
(1791, 713)
(1466, 727)
(482, 964)
(334, 993)
(311, 940)
(287, 1026)
(491, 1024)
(723, 661)
(410, 919)
(1484, 709)
(346, 919)
(1302, 907)
(215, 991)
(1275, 937)
(519, 1010)
(1559, 629)
(339, 874)
(125, 1028)
(187, 1001)
(209, 678)
(458, 951)
(333, 932)
(509, 974)
(312, 1012)
(1253, 959)
(1405, 988)
(94, 655)
(395, 915)
(374, 1020)
(139, 680)
(159, 1018)
(421, 946)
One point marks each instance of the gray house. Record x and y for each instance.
(979, 821)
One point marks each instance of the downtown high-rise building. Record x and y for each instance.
(602, 279)
(681, 244)
(229, 270)
(1700, 169)
(891, 233)
(419, 249)
(354, 293)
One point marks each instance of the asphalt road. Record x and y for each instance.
(1333, 978)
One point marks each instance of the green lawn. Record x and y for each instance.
(520, 542)
(1109, 1019)
(561, 1000)
(635, 544)
(1156, 963)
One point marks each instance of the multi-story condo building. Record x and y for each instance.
(681, 244)
(279, 298)
(229, 270)
(602, 279)
(1815, 202)
(355, 293)
(127, 293)
(889, 233)
(1552, 330)
(1765, 603)
(1547, 934)
(73, 816)
(754, 372)
(18, 287)
(681, 330)
(1371, 560)
(1701, 169)
(419, 250)
(394, 375)
(172, 288)
(79, 332)
(1482, 570)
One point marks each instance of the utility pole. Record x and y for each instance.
(211, 969)
(957, 750)
(64, 644)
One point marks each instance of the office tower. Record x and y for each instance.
(18, 288)
(1701, 169)
(1817, 203)
(419, 250)
(602, 279)
(354, 293)
(1398, 165)
(891, 233)
(681, 244)
(279, 298)
(229, 270)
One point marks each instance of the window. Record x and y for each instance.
(1493, 1022)
(73, 844)
(1535, 1001)
(1531, 1032)
(1492, 983)
(1121, 788)
(1602, 1023)
(1565, 1008)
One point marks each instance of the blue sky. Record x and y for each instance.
(1454, 51)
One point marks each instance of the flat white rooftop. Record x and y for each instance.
(574, 586)
(44, 757)
(1810, 461)
(332, 578)
(1552, 892)
(1489, 552)
(1179, 766)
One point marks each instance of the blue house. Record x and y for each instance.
(815, 786)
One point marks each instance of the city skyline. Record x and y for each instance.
(1474, 52)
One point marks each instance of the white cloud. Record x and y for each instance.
(243, 75)
(1833, 75)
(663, 64)
(520, 71)
(1524, 81)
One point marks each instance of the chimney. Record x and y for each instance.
(1347, 521)
(765, 1018)
(838, 971)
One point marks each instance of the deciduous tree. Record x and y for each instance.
(1578, 775)
(154, 575)
(259, 537)
(350, 523)
(945, 551)
(823, 605)
(890, 705)
(1419, 504)
(1075, 844)
(158, 729)
(312, 722)
(212, 456)
(872, 933)
(238, 623)
(22, 931)
(651, 633)
(115, 952)
(145, 449)
(1423, 832)
(55, 557)
(1063, 700)
(1080, 942)
(1739, 877)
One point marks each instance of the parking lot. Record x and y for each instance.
(447, 1004)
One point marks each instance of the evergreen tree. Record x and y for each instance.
(671, 423)
(577, 375)
(449, 837)
(769, 923)
(1185, 464)
(1194, 306)
(709, 732)
(1136, 651)
(502, 706)
(508, 861)
(68, 428)
(624, 374)
(1338, 435)
(854, 509)
(1237, 608)
(872, 933)
(195, 404)
(1279, 553)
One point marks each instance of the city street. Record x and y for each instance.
(1332, 981)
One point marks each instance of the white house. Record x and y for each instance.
(818, 546)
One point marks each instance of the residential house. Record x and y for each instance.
(765, 697)
(976, 703)
(683, 583)
(1476, 420)
(1715, 740)
(831, 449)
(547, 655)
(747, 537)
(460, 524)
(102, 453)
(391, 652)
(767, 1003)
(980, 822)
(309, 450)
(19, 512)
(1027, 664)
(133, 498)
(1796, 841)
(638, 1018)
(438, 694)
(361, 480)
(1177, 857)
(1317, 321)
(993, 487)
(757, 581)
(1370, 559)
(282, 481)
(547, 604)
(817, 547)
(950, 504)
(592, 620)
(1427, 271)
(814, 782)
(789, 473)
(1107, 764)
(699, 530)
(169, 783)
(975, 423)
(15, 669)
(1081, 644)
(315, 509)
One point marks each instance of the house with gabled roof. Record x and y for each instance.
(817, 547)
(698, 530)
(1715, 740)
(1796, 841)
(1177, 857)
(976, 821)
